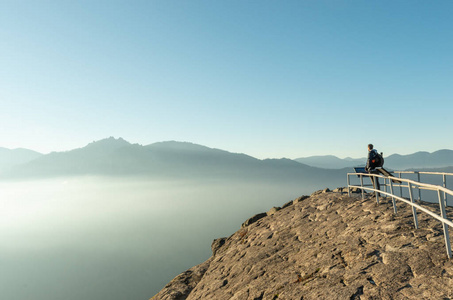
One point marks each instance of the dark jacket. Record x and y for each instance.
(370, 163)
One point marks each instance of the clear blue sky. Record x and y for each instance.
(266, 78)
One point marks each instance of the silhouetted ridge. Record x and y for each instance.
(11, 157)
(172, 159)
(419, 160)
(178, 146)
(108, 144)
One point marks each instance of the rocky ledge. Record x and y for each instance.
(326, 246)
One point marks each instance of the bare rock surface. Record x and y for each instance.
(327, 246)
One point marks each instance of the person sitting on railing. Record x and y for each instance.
(371, 164)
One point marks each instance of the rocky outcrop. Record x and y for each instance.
(253, 219)
(181, 286)
(327, 246)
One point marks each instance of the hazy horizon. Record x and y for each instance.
(156, 142)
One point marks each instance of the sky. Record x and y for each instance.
(270, 79)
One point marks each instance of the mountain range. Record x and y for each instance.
(172, 160)
(420, 160)
(331, 162)
(117, 157)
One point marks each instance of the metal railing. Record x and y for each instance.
(418, 173)
(393, 182)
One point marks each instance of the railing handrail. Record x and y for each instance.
(434, 215)
(423, 172)
(410, 184)
(432, 186)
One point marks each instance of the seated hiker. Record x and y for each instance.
(374, 160)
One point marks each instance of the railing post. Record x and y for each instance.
(401, 188)
(361, 184)
(414, 211)
(375, 187)
(444, 216)
(349, 189)
(393, 198)
(419, 190)
(445, 186)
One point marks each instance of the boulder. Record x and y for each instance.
(253, 219)
(300, 199)
(217, 244)
(287, 204)
(273, 210)
(326, 190)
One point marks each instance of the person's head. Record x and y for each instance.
(370, 147)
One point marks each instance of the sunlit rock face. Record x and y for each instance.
(327, 246)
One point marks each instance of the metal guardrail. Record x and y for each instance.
(444, 179)
(392, 182)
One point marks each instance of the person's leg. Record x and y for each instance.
(376, 186)
(372, 180)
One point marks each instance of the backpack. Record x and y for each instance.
(378, 160)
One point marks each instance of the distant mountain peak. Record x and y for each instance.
(176, 145)
(110, 142)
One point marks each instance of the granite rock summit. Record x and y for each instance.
(327, 246)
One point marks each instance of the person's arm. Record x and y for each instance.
(367, 162)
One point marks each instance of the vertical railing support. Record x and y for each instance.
(393, 198)
(361, 184)
(419, 190)
(445, 226)
(375, 187)
(349, 189)
(444, 177)
(414, 211)
(401, 188)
